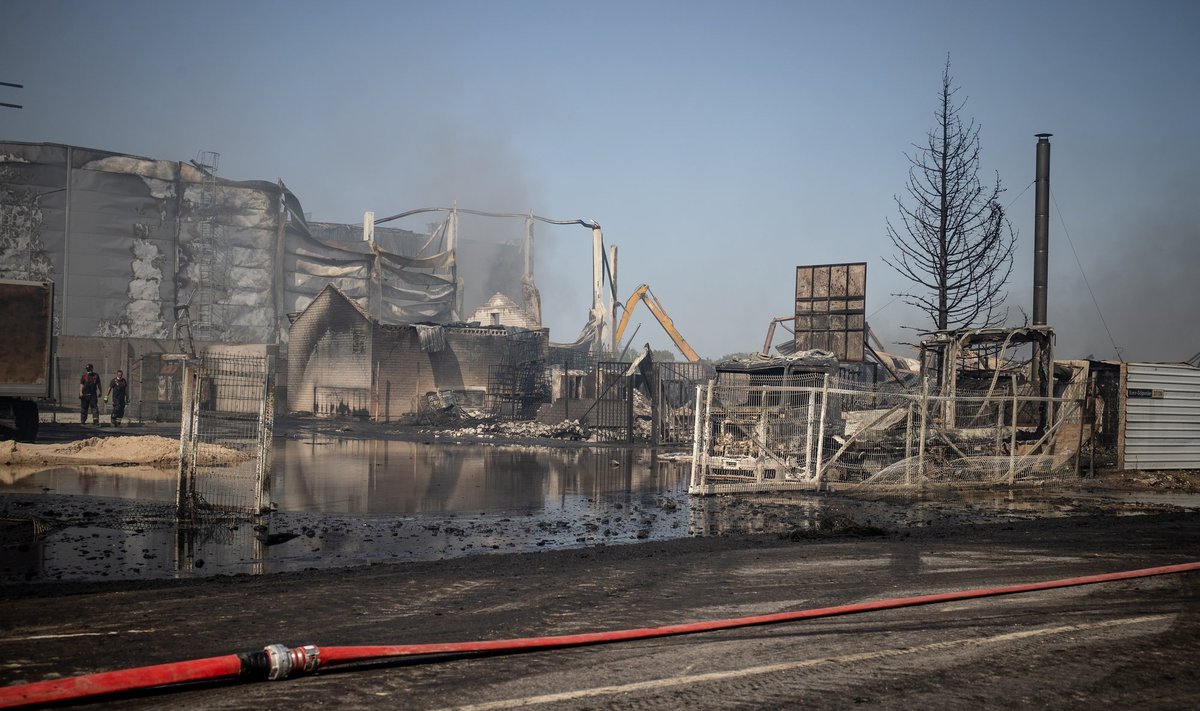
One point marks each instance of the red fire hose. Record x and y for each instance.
(279, 662)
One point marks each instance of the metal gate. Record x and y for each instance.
(613, 417)
(225, 436)
(674, 401)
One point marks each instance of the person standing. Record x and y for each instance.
(118, 388)
(89, 396)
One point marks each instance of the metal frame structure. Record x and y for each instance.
(228, 412)
(818, 431)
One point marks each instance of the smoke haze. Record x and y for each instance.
(1145, 278)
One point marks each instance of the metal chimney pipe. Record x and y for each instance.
(1041, 230)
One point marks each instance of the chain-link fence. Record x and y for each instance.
(814, 431)
(225, 435)
(674, 404)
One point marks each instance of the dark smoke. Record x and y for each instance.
(1146, 279)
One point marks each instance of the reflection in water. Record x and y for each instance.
(222, 546)
(343, 502)
(379, 477)
(140, 483)
(360, 501)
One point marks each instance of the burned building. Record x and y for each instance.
(344, 361)
(503, 311)
(139, 248)
(128, 240)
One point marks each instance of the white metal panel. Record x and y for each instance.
(1162, 416)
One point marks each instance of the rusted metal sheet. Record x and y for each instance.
(26, 316)
(1161, 416)
(831, 304)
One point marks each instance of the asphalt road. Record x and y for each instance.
(1129, 643)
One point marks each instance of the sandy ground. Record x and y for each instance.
(121, 450)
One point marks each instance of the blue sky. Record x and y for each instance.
(719, 144)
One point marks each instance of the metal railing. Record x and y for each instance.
(819, 431)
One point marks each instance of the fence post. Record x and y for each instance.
(821, 428)
(707, 438)
(1083, 415)
(808, 443)
(373, 405)
(924, 428)
(696, 437)
(908, 429)
(141, 385)
(58, 396)
(629, 387)
(187, 439)
(266, 420)
(1012, 437)
(655, 405)
(999, 431)
(1092, 425)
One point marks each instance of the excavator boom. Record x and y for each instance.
(642, 293)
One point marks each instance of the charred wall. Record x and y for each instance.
(341, 361)
(407, 374)
(329, 357)
(101, 226)
(127, 239)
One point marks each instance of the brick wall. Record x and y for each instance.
(329, 358)
(406, 374)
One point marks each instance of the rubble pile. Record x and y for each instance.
(567, 430)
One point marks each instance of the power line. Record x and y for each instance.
(1066, 232)
(1010, 202)
(895, 298)
(15, 86)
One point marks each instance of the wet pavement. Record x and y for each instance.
(344, 502)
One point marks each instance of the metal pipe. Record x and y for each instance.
(599, 338)
(612, 301)
(1041, 229)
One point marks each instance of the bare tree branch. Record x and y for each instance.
(953, 237)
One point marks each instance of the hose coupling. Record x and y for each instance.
(282, 661)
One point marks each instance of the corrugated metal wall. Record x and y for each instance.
(1161, 417)
(126, 239)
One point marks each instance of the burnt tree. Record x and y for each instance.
(953, 241)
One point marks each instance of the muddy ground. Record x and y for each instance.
(1125, 643)
(112, 534)
(1129, 644)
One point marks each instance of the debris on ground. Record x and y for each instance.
(1183, 480)
(565, 430)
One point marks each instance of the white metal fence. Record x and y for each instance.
(817, 431)
(225, 435)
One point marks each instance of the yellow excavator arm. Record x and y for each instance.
(643, 293)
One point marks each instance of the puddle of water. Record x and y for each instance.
(355, 502)
(343, 502)
(136, 483)
(379, 477)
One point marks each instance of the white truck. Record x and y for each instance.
(26, 354)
